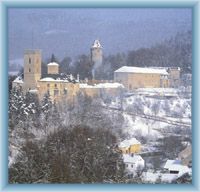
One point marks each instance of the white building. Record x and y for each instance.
(133, 164)
(175, 167)
(138, 77)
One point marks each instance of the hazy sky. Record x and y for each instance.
(70, 32)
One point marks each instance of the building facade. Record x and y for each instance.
(60, 86)
(174, 76)
(32, 69)
(130, 146)
(136, 77)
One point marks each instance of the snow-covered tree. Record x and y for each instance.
(16, 107)
(70, 155)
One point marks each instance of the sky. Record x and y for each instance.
(72, 31)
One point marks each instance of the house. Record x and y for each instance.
(175, 167)
(129, 146)
(133, 164)
(138, 77)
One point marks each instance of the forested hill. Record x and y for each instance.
(175, 52)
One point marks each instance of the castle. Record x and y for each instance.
(61, 86)
(66, 87)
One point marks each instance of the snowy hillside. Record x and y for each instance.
(147, 113)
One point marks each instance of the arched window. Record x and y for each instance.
(29, 60)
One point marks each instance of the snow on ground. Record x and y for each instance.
(160, 107)
(153, 177)
(102, 85)
(176, 108)
(140, 127)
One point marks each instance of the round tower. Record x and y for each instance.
(96, 52)
(96, 56)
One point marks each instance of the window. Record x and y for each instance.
(29, 70)
(65, 91)
(48, 85)
(131, 166)
(55, 85)
(29, 60)
(126, 165)
(56, 92)
(130, 87)
(174, 172)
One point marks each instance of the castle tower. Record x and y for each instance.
(96, 56)
(32, 68)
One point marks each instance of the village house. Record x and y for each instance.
(133, 164)
(172, 170)
(176, 167)
(130, 146)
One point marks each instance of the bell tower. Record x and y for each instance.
(32, 68)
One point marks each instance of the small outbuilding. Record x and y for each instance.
(130, 146)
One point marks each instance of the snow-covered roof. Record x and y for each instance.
(129, 142)
(51, 79)
(128, 69)
(167, 68)
(102, 85)
(170, 163)
(180, 168)
(18, 80)
(47, 79)
(96, 44)
(53, 64)
(132, 159)
(33, 91)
